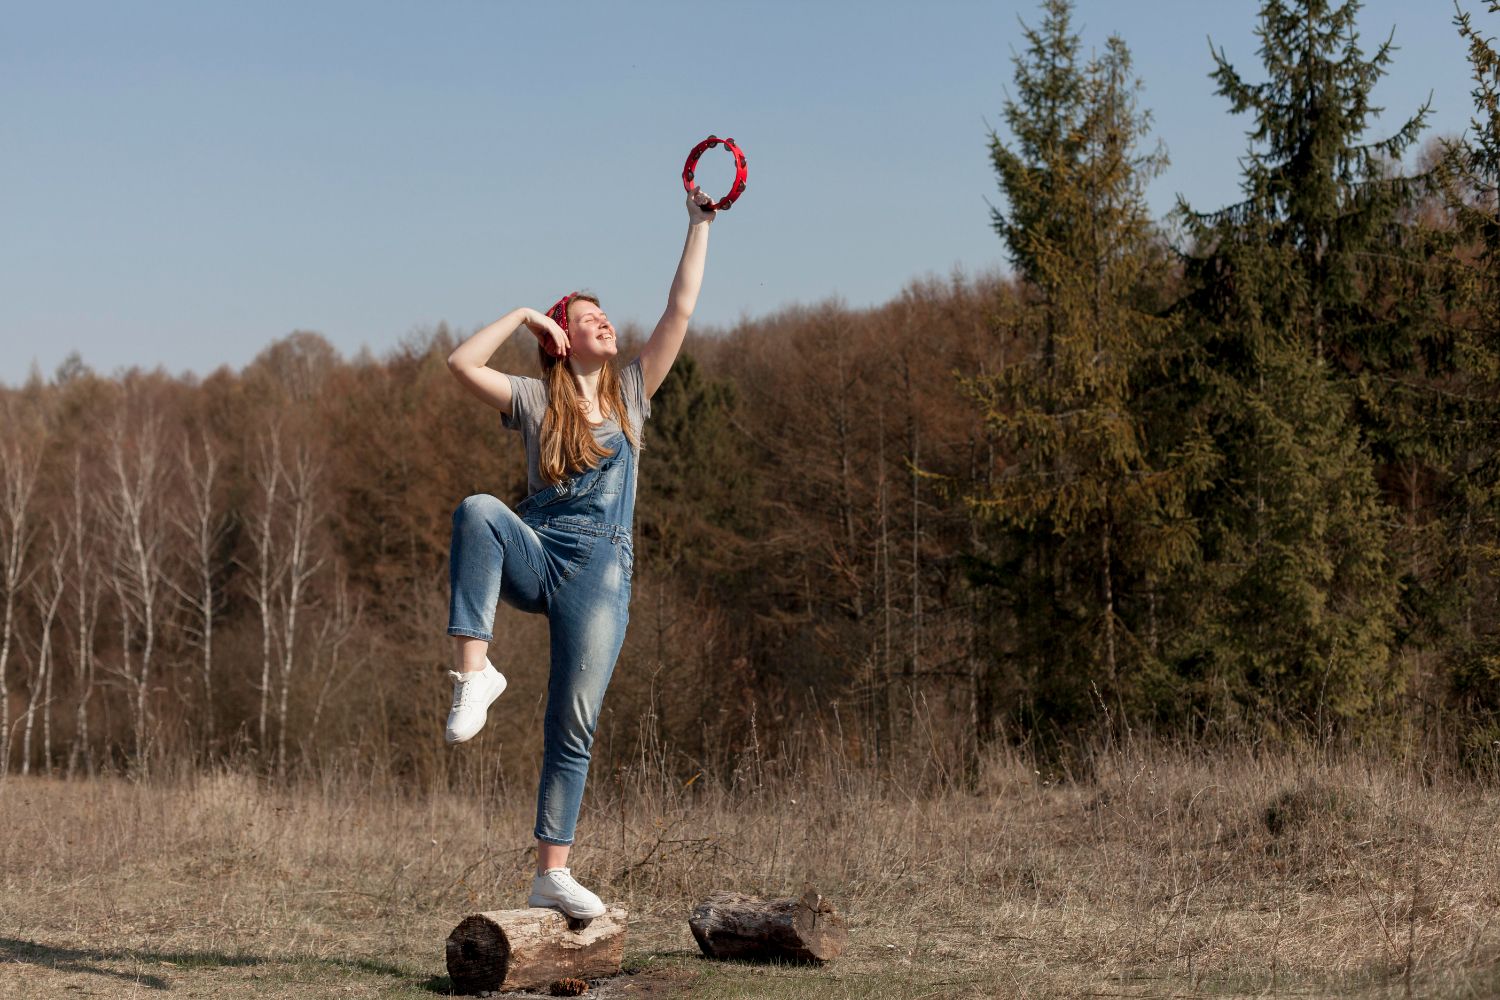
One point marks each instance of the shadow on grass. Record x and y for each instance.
(85, 960)
(96, 962)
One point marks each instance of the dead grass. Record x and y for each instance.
(1165, 873)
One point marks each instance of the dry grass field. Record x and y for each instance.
(1159, 873)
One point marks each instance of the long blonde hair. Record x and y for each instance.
(568, 442)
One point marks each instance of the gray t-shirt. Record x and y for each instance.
(529, 405)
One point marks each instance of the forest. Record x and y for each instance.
(1229, 476)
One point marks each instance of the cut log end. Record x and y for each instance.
(532, 949)
(735, 926)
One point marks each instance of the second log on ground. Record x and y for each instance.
(733, 925)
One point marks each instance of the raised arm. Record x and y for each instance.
(469, 361)
(661, 350)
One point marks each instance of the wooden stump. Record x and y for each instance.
(531, 948)
(733, 925)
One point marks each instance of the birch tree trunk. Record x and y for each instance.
(48, 590)
(266, 566)
(28, 717)
(86, 617)
(87, 611)
(913, 465)
(18, 475)
(47, 691)
(302, 563)
(136, 500)
(203, 527)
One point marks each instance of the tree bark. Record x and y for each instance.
(301, 566)
(733, 925)
(49, 593)
(88, 605)
(18, 476)
(266, 568)
(202, 527)
(532, 948)
(136, 500)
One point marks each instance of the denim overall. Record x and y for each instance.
(564, 552)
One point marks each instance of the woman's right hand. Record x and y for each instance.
(547, 332)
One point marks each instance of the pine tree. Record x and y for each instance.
(1296, 612)
(1087, 521)
(1468, 485)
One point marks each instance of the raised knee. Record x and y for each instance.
(480, 505)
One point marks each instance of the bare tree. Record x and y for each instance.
(202, 526)
(336, 629)
(283, 562)
(302, 563)
(913, 664)
(267, 564)
(87, 590)
(846, 557)
(18, 474)
(49, 591)
(135, 501)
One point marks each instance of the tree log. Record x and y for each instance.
(733, 925)
(531, 948)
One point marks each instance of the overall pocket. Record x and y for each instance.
(611, 478)
(567, 551)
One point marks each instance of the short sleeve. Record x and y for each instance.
(528, 403)
(633, 388)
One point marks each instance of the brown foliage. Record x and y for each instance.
(806, 565)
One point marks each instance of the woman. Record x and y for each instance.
(566, 550)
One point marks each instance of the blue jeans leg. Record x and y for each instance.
(588, 616)
(493, 554)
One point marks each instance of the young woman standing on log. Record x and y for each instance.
(566, 550)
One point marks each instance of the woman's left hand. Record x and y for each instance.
(696, 201)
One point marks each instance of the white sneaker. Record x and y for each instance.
(473, 694)
(555, 888)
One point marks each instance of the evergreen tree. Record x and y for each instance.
(1087, 520)
(1469, 394)
(1296, 610)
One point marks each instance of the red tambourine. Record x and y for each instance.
(739, 172)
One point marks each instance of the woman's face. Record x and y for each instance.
(590, 333)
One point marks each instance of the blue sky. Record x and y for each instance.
(183, 183)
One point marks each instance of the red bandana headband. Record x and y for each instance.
(559, 312)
